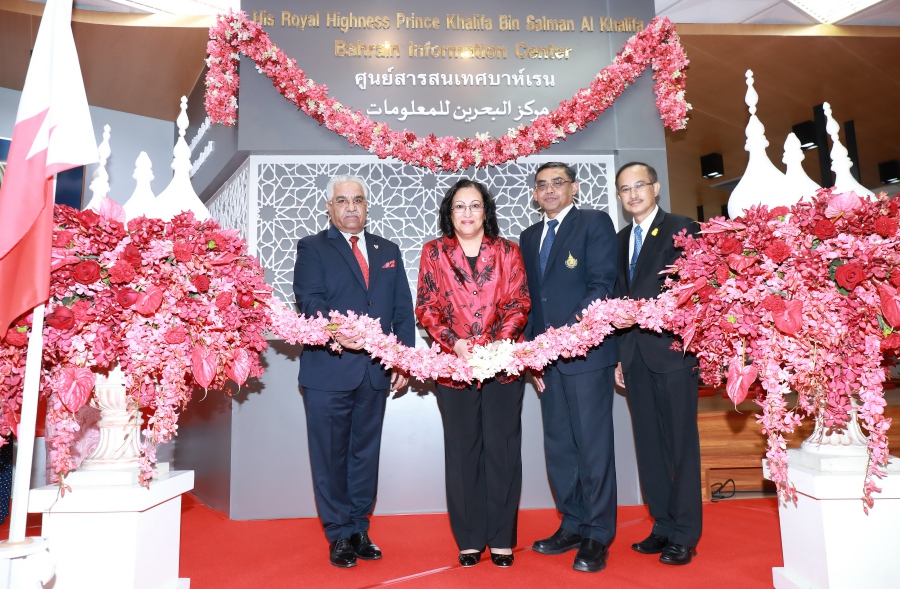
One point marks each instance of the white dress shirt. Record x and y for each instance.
(645, 228)
(559, 217)
(361, 243)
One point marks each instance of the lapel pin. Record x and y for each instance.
(653, 233)
(376, 245)
(571, 262)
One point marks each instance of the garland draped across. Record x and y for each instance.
(657, 46)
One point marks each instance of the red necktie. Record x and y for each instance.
(359, 258)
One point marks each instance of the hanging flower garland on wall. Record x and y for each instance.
(234, 34)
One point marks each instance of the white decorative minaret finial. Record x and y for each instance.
(100, 179)
(840, 160)
(179, 195)
(800, 184)
(141, 201)
(762, 182)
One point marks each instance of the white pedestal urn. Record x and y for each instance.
(827, 540)
(110, 532)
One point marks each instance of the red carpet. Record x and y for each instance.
(740, 545)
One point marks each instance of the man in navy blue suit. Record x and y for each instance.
(570, 260)
(346, 268)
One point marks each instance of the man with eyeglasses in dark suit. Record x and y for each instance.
(661, 383)
(570, 260)
(346, 268)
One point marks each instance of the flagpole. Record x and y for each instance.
(25, 438)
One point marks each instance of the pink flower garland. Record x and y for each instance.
(234, 35)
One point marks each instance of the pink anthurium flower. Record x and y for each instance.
(75, 386)
(890, 304)
(790, 320)
(203, 365)
(739, 380)
(110, 209)
(238, 366)
(149, 301)
(842, 203)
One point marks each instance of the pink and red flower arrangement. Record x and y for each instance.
(804, 299)
(176, 304)
(234, 34)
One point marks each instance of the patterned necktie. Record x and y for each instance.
(548, 243)
(638, 241)
(359, 258)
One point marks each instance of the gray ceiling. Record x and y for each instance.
(767, 12)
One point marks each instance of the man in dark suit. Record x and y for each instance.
(661, 382)
(346, 268)
(570, 262)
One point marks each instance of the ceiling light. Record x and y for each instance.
(889, 172)
(806, 133)
(711, 165)
(831, 11)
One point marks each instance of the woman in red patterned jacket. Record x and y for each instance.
(472, 291)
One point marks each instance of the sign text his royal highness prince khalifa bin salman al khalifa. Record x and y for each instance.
(452, 22)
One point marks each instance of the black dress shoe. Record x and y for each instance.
(342, 554)
(560, 542)
(469, 559)
(364, 547)
(652, 544)
(677, 554)
(503, 561)
(591, 556)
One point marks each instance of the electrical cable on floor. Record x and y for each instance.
(718, 492)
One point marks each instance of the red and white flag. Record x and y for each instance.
(53, 133)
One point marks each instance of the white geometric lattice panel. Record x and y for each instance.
(230, 206)
(403, 202)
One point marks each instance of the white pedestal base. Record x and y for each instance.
(115, 537)
(827, 540)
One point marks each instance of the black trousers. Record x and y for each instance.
(483, 461)
(344, 433)
(664, 417)
(580, 452)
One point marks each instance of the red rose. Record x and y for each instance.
(86, 272)
(824, 229)
(893, 208)
(121, 272)
(17, 338)
(82, 310)
(182, 251)
(779, 212)
(704, 293)
(126, 296)
(886, 226)
(245, 300)
(773, 303)
(891, 342)
(176, 335)
(223, 300)
(849, 275)
(895, 276)
(61, 318)
(62, 238)
(131, 255)
(731, 246)
(778, 251)
(88, 218)
(722, 274)
(201, 283)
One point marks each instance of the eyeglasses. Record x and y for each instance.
(475, 207)
(542, 185)
(343, 201)
(637, 187)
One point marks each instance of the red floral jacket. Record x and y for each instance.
(489, 304)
